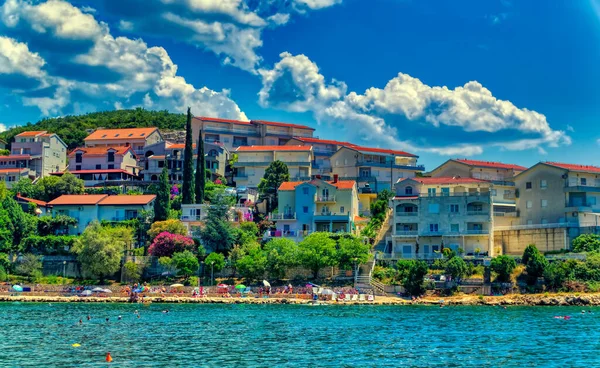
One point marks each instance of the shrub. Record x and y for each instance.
(172, 226)
(535, 263)
(457, 268)
(414, 280)
(586, 243)
(503, 266)
(132, 271)
(49, 245)
(167, 244)
(186, 263)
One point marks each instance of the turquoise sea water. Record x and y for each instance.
(41, 335)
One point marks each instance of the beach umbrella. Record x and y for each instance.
(108, 291)
(222, 286)
(327, 292)
(86, 293)
(176, 285)
(98, 290)
(240, 286)
(18, 288)
(266, 283)
(310, 284)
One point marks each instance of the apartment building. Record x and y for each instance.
(433, 213)
(253, 161)
(501, 175)
(316, 205)
(44, 153)
(322, 150)
(86, 208)
(235, 133)
(558, 194)
(194, 215)
(216, 156)
(137, 138)
(380, 168)
(12, 175)
(96, 165)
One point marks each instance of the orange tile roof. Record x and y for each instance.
(15, 157)
(120, 134)
(322, 141)
(95, 171)
(275, 123)
(77, 199)
(12, 171)
(179, 146)
(124, 199)
(495, 165)
(38, 202)
(341, 184)
(154, 157)
(360, 219)
(272, 148)
(33, 133)
(100, 151)
(575, 167)
(380, 150)
(445, 180)
(217, 120)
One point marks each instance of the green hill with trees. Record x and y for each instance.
(73, 129)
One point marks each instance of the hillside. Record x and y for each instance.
(73, 129)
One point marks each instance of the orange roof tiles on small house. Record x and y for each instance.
(77, 199)
(273, 148)
(125, 133)
(491, 164)
(342, 184)
(38, 202)
(290, 185)
(179, 146)
(12, 171)
(445, 180)
(100, 151)
(33, 133)
(275, 123)
(575, 167)
(116, 200)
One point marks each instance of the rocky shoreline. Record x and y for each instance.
(465, 300)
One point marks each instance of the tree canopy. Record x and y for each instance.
(162, 204)
(166, 244)
(172, 226)
(187, 187)
(586, 243)
(316, 251)
(275, 174)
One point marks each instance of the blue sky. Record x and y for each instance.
(504, 80)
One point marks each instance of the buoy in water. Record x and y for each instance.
(76, 345)
(108, 357)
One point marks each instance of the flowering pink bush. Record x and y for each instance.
(165, 244)
(218, 181)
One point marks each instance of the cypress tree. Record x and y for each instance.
(200, 181)
(162, 204)
(187, 194)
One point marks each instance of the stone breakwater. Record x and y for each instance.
(507, 300)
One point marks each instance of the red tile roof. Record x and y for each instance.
(12, 171)
(77, 199)
(33, 133)
(574, 167)
(124, 199)
(274, 123)
(361, 219)
(15, 157)
(341, 184)
(406, 197)
(120, 134)
(101, 171)
(445, 180)
(217, 120)
(154, 157)
(380, 150)
(100, 151)
(495, 165)
(38, 202)
(322, 141)
(179, 146)
(272, 148)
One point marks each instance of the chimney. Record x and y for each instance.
(335, 178)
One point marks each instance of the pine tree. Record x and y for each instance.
(162, 205)
(187, 194)
(200, 181)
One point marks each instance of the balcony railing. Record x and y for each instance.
(391, 165)
(410, 214)
(477, 213)
(191, 218)
(267, 163)
(506, 214)
(431, 233)
(282, 216)
(476, 232)
(407, 233)
(325, 199)
(579, 204)
(287, 234)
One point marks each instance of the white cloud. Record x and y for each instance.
(3, 128)
(295, 84)
(128, 68)
(317, 4)
(279, 19)
(15, 58)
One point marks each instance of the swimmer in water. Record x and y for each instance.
(119, 318)
(136, 312)
(89, 317)
(80, 321)
(166, 311)
(106, 319)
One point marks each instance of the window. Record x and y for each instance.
(98, 167)
(305, 191)
(591, 201)
(454, 228)
(453, 208)
(111, 167)
(426, 249)
(494, 192)
(445, 192)
(434, 228)
(529, 204)
(528, 185)
(78, 157)
(78, 167)
(544, 203)
(226, 140)
(544, 221)
(111, 157)
(431, 192)
(529, 222)
(342, 209)
(305, 209)
(543, 184)
(161, 164)
(408, 190)
(583, 181)
(434, 208)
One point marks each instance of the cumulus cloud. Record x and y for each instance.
(317, 4)
(382, 116)
(100, 68)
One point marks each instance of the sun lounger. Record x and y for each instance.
(354, 297)
(347, 298)
(361, 297)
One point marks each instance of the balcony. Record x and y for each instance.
(188, 218)
(476, 232)
(406, 234)
(267, 163)
(331, 216)
(325, 199)
(286, 234)
(431, 233)
(478, 213)
(506, 214)
(407, 214)
(390, 165)
(283, 216)
(579, 205)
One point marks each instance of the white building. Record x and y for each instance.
(41, 152)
